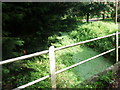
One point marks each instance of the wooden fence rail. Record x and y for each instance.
(52, 59)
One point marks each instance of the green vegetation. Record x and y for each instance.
(94, 30)
(101, 82)
(33, 23)
(31, 27)
(39, 66)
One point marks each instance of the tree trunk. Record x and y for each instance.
(116, 11)
(87, 17)
(103, 15)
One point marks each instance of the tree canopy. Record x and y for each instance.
(29, 24)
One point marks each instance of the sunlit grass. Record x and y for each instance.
(80, 53)
(69, 56)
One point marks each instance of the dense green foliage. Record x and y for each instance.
(91, 9)
(94, 30)
(34, 22)
(12, 50)
(39, 66)
(36, 26)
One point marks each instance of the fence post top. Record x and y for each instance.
(51, 47)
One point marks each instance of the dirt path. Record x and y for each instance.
(93, 19)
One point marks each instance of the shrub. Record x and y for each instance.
(94, 30)
(10, 47)
(35, 68)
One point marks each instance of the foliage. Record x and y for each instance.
(107, 78)
(35, 22)
(101, 82)
(39, 66)
(94, 30)
(87, 9)
(11, 47)
(34, 27)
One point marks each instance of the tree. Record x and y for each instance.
(34, 22)
(94, 8)
(116, 11)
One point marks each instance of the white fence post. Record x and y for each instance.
(52, 66)
(116, 46)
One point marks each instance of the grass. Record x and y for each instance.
(92, 67)
(80, 53)
(65, 58)
(39, 66)
(73, 55)
(103, 81)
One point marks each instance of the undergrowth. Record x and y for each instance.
(39, 66)
(94, 30)
(100, 83)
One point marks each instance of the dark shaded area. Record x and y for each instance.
(14, 73)
(27, 26)
(116, 83)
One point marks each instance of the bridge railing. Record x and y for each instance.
(51, 52)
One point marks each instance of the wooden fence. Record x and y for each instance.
(51, 52)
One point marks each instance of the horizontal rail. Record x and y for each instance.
(24, 57)
(75, 44)
(46, 51)
(31, 83)
(62, 70)
(56, 49)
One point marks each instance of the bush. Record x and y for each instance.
(94, 30)
(35, 68)
(11, 47)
